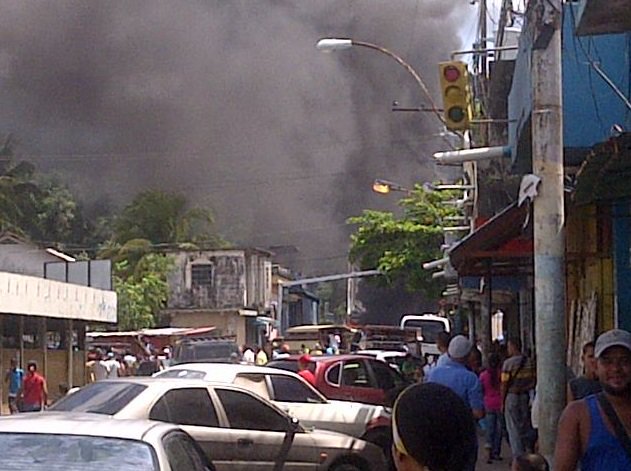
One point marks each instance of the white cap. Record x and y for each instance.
(612, 338)
(459, 347)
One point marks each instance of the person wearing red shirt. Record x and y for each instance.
(303, 370)
(34, 393)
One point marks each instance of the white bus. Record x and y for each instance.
(427, 328)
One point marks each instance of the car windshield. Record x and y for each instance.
(52, 452)
(429, 329)
(289, 365)
(106, 398)
(181, 373)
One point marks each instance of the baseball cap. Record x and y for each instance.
(459, 347)
(304, 359)
(612, 338)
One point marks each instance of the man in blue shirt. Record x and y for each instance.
(454, 374)
(14, 377)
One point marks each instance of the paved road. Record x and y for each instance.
(503, 465)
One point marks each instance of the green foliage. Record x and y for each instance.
(142, 291)
(163, 218)
(399, 245)
(33, 206)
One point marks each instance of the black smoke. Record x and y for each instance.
(229, 102)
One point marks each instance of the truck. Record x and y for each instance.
(427, 328)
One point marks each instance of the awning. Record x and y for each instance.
(501, 245)
(605, 172)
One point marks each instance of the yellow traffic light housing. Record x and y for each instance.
(454, 84)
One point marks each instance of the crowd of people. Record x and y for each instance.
(434, 423)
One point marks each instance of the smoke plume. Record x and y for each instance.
(229, 102)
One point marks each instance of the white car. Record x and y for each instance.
(238, 429)
(297, 397)
(394, 358)
(74, 441)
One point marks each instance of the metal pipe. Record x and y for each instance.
(468, 155)
(482, 51)
(435, 264)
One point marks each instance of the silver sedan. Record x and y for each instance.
(237, 429)
(73, 442)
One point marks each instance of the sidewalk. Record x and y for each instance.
(503, 465)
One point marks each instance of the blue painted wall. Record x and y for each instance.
(622, 261)
(590, 106)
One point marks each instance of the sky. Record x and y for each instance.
(229, 103)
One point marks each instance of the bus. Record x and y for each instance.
(427, 328)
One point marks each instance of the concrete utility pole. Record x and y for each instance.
(549, 240)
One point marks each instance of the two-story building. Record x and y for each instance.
(230, 289)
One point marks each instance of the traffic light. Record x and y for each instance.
(454, 84)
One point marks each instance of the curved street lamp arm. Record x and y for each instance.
(407, 67)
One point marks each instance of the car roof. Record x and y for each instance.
(83, 424)
(327, 358)
(226, 371)
(166, 383)
(381, 352)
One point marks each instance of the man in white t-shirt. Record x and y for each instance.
(113, 366)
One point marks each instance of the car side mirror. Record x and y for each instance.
(294, 424)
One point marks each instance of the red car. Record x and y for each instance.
(351, 377)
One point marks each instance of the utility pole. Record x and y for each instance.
(549, 240)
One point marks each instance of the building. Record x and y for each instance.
(230, 289)
(597, 147)
(45, 320)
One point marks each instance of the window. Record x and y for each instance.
(100, 398)
(386, 377)
(354, 374)
(289, 389)
(51, 451)
(202, 274)
(182, 453)
(188, 406)
(333, 375)
(246, 412)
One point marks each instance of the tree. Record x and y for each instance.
(163, 218)
(398, 245)
(35, 206)
(142, 292)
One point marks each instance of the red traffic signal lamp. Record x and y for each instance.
(454, 84)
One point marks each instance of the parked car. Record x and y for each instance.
(206, 349)
(394, 358)
(351, 377)
(237, 428)
(297, 397)
(74, 441)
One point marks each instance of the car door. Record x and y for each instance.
(264, 435)
(388, 380)
(304, 403)
(357, 384)
(183, 454)
(193, 409)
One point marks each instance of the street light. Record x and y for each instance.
(338, 44)
(384, 187)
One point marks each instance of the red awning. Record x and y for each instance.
(197, 331)
(503, 245)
